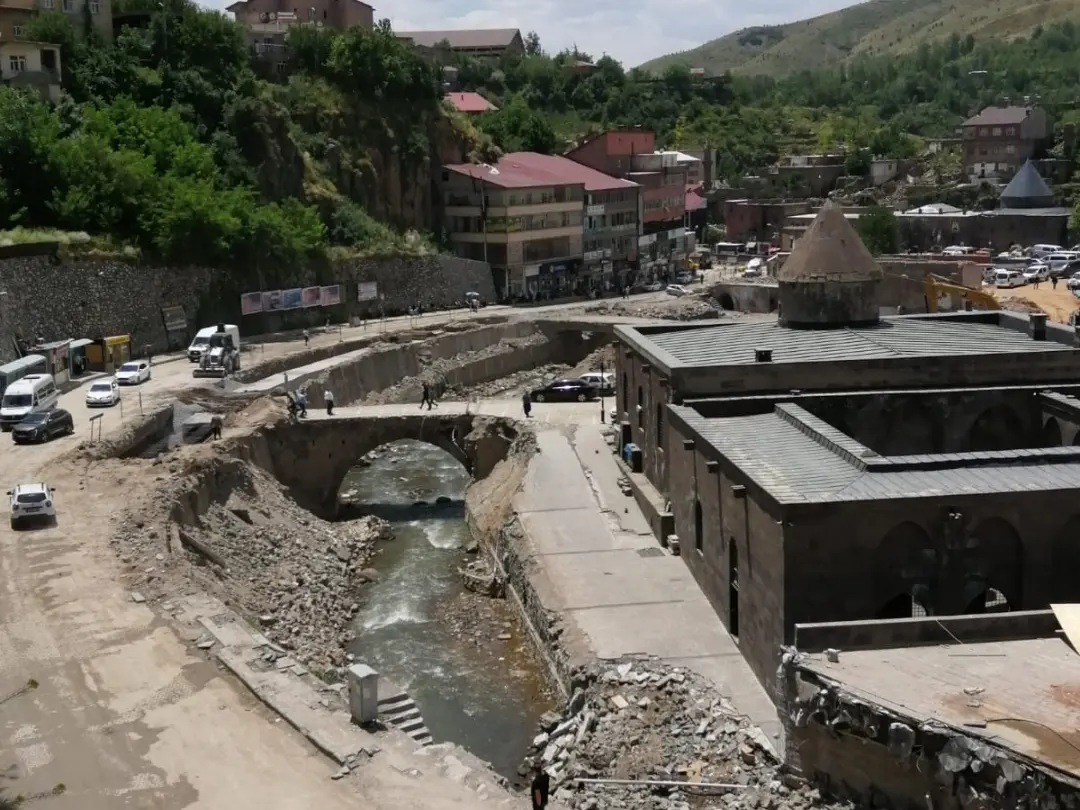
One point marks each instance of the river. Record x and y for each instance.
(486, 697)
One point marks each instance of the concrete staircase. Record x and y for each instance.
(399, 710)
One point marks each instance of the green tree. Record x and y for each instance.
(517, 128)
(879, 230)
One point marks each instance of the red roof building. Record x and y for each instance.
(471, 103)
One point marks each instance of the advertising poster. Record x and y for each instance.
(292, 299)
(310, 297)
(175, 319)
(251, 303)
(271, 300)
(330, 296)
(367, 291)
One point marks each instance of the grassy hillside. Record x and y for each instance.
(873, 27)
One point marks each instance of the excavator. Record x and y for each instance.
(935, 287)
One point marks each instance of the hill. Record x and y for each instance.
(871, 28)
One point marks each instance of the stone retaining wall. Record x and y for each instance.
(51, 298)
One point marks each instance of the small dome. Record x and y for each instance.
(830, 250)
(1027, 189)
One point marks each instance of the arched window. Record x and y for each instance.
(699, 526)
(659, 424)
(640, 407)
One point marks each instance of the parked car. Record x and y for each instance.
(1037, 272)
(1009, 278)
(677, 290)
(655, 286)
(604, 383)
(133, 373)
(957, 250)
(565, 391)
(31, 503)
(43, 425)
(103, 394)
(1074, 282)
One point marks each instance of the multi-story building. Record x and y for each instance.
(524, 221)
(611, 222)
(15, 14)
(631, 154)
(266, 23)
(31, 64)
(999, 140)
(479, 43)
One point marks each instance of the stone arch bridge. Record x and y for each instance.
(312, 457)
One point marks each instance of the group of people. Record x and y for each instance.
(298, 403)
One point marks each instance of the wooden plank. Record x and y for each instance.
(1068, 617)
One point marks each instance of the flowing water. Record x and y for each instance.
(487, 699)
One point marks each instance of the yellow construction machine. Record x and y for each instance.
(936, 287)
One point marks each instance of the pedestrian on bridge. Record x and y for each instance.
(426, 398)
(526, 404)
(328, 396)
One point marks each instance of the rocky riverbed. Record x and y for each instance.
(644, 721)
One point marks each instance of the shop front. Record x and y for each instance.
(108, 354)
(77, 361)
(57, 354)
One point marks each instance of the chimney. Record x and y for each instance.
(1038, 326)
(762, 355)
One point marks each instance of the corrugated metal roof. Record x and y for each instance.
(463, 38)
(999, 116)
(812, 462)
(470, 102)
(1027, 189)
(567, 170)
(734, 344)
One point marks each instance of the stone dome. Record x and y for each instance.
(830, 280)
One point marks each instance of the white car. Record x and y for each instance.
(1074, 282)
(677, 289)
(31, 503)
(103, 394)
(1037, 272)
(957, 250)
(605, 382)
(133, 373)
(656, 286)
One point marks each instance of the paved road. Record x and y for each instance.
(559, 413)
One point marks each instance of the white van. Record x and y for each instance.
(201, 342)
(31, 394)
(1008, 278)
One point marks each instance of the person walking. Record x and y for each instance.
(215, 427)
(526, 404)
(307, 339)
(541, 785)
(328, 396)
(425, 397)
(1053, 282)
(301, 403)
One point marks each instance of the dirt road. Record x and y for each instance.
(125, 713)
(1059, 304)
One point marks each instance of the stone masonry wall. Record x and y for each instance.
(46, 297)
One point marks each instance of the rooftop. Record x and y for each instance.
(530, 170)
(464, 39)
(798, 458)
(829, 251)
(999, 116)
(1027, 189)
(470, 102)
(1027, 698)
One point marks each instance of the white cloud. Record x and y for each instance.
(632, 31)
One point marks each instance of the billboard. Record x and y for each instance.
(330, 296)
(175, 319)
(271, 300)
(367, 291)
(292, 299)
(251, 303)
(309, 297)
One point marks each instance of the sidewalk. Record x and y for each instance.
(598, 564)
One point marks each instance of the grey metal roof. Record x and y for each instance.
(724, 345)
(1027, 189)
(798, 459)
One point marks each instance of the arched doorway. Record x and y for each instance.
(905, 572)
(1051, 433)
(733, 588)
(997, 428)
(727, 302)
(640, 407)
(994, 571)
(699, 526)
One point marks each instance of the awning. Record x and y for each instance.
(78, 344)
(52, 345)
(117, 340)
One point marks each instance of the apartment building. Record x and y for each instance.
(611, 223)
(524, 220)
(31, 64)
(266, 23)
(15, 14)
(999, 140)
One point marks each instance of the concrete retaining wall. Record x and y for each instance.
(133, 437)
(50, 298)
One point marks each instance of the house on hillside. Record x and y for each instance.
(479, 43)
(469, 103)
(31, 64)
(15, 14)
(999, 140)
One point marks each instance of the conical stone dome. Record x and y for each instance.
(830, 280)
(1027, 189)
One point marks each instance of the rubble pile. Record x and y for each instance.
(643, 721)
(684, 308)
(295, 576)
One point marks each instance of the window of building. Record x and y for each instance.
(280, 67)
(625, 392)
(46, 4)
(18, 31)
(659, 424)
(311, 14)
(1010, 131)
(640, 407)
(95, 6)
(1010, 149)
(68, 5)
(984, 131)
(699, 526)
(17, 64)
(997, 132)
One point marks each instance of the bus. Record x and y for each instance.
(17, 369)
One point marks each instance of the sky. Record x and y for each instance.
(632, 31)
